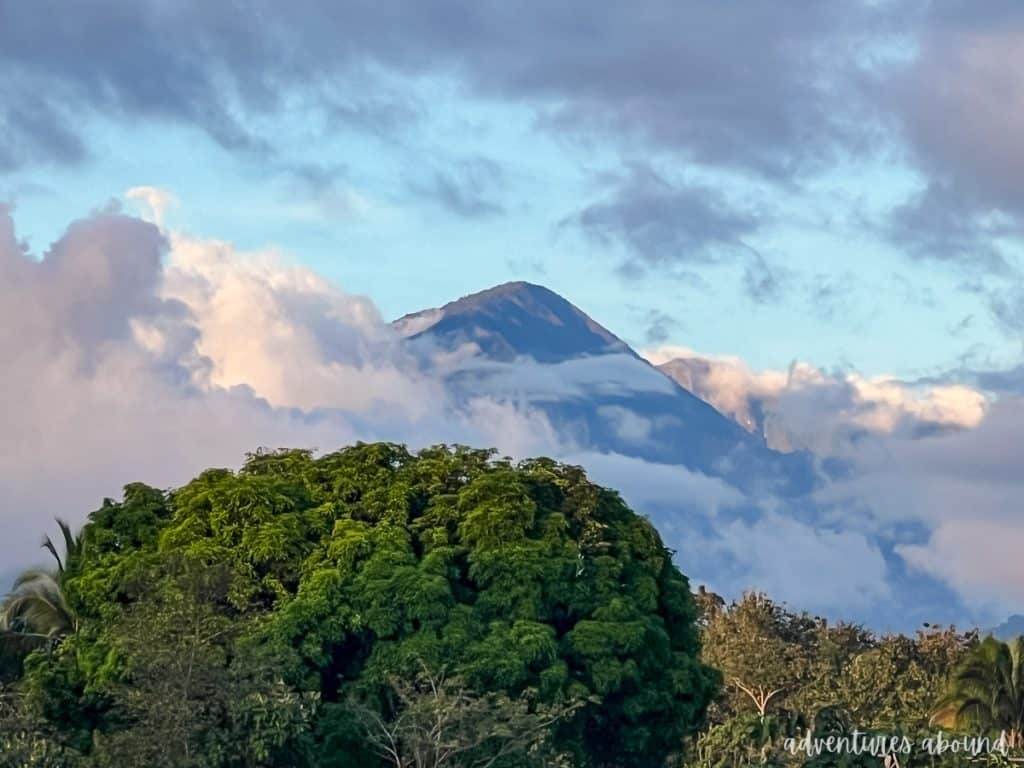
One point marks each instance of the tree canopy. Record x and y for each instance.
(280, 601)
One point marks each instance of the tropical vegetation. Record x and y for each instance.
(377, 607)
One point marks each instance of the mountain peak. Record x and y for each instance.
(512, 320)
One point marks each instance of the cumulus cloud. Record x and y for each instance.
(807, 407)
(284, 331)
(964, 488)
(133, 354)
(931, 485)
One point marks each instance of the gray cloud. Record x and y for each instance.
(941, 223)
(958, 103)
(774, 92)
(1004, 299)
(33, 130)
(671, 74)
(959, 99)
(659, 326)
(826, 294)
(663, 225)
(468, 187)
(764, 282)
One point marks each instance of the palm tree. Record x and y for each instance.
(36, 604)
(72, 547)
(987, 691)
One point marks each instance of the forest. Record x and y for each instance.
(376, 607)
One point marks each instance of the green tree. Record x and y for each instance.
(765, 652)
(344, 572)
(28, 741)
(187, 695)
(896, 682)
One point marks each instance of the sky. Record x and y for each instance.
(830, 184)
(838, 176)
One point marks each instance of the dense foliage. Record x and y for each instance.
(373, 607)
(282, 614)
(788, 675)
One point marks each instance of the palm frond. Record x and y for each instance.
(49, 547)
(987, 690)
(36, 605)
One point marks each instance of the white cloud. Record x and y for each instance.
(156, 202)
(297, 340)
(134, 356)
(612, 374)
(811, 567)
(807, 407)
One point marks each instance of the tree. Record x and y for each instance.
(764, 652)
(373, 560)
(440, 723)
(36, 604)
(896, 682)
(231, 621)
(188, 696)
(26, 740)
(987, 691)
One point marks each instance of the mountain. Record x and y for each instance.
(513, 320)
(525, 344)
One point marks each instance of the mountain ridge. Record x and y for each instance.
(602, 394)
(513, 319)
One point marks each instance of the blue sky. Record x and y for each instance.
(365, 205)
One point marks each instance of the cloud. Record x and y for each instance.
(931, 482)
(733, 543)
(961, 99)
(660, 224)
(157, 202)
(958, 104)
(941, 224)
(466, 187)
(577, 378)
(965, 488)
(659, 326)
(785, 558)
(662, 75)
(148, 355)
(291, 336)
(796, 91)
(764, 283)
(133, 354)
(806, 407)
